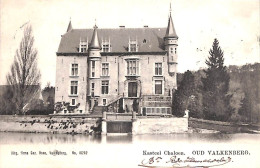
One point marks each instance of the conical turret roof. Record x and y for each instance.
(170, 32)
(69, 26)
(95, 41)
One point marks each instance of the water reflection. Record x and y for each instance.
(44, 138)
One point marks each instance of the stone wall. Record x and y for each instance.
(160, 125)
(49, 124)
(64, 78)
(121, 116)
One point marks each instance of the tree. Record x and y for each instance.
(182, 97)
(6, 105)
(245, 110)
(215, 86)
(48, 95)
(24, 76)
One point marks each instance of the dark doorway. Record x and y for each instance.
(119, 127)
(132, 89)
(121, 106)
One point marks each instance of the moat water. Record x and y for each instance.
(118, 151)
(10, 138)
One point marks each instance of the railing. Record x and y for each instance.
(114, 100)
(157, 111)
(156, 98)
(156, 105)
(112, 106)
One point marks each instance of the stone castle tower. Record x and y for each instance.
(171, 46)
(94, 68)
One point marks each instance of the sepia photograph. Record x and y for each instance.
(129, 83)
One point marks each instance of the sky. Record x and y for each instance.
(235, 23)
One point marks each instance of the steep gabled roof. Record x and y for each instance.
(148, 39)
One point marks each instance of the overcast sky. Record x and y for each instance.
(235, 23)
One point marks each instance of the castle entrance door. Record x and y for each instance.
(132, 89)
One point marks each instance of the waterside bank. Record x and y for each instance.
(50, 124)
(83, 124)
(93, 125)
(200, 126)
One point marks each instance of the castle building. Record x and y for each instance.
(117, 70)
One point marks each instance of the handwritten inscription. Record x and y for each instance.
(177, 162)
(198, 158)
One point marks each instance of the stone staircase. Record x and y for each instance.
(112, 106)
(98, 110)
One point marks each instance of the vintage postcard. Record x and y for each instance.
(129, 83)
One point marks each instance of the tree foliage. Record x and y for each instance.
(183, 97)
(24, 76)
(244, 84)
(215, 86)
(6, 104)
(48, 95)
(245, 109)
(248, 76)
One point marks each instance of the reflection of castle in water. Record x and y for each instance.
(117, 70)
(46, 138)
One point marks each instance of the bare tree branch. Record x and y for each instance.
(24, 76)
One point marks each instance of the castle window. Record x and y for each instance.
(171, 50)
(132, 46)
(132, 67)
(104, 87)
(158, 68)
(158, 87)
(175, 50)
(104, 102)
(92, 68)
(74, 87)
(92, 89)
(74, 70)
(106, 46)
(73, 102)
(105, 69)
(83, 46)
